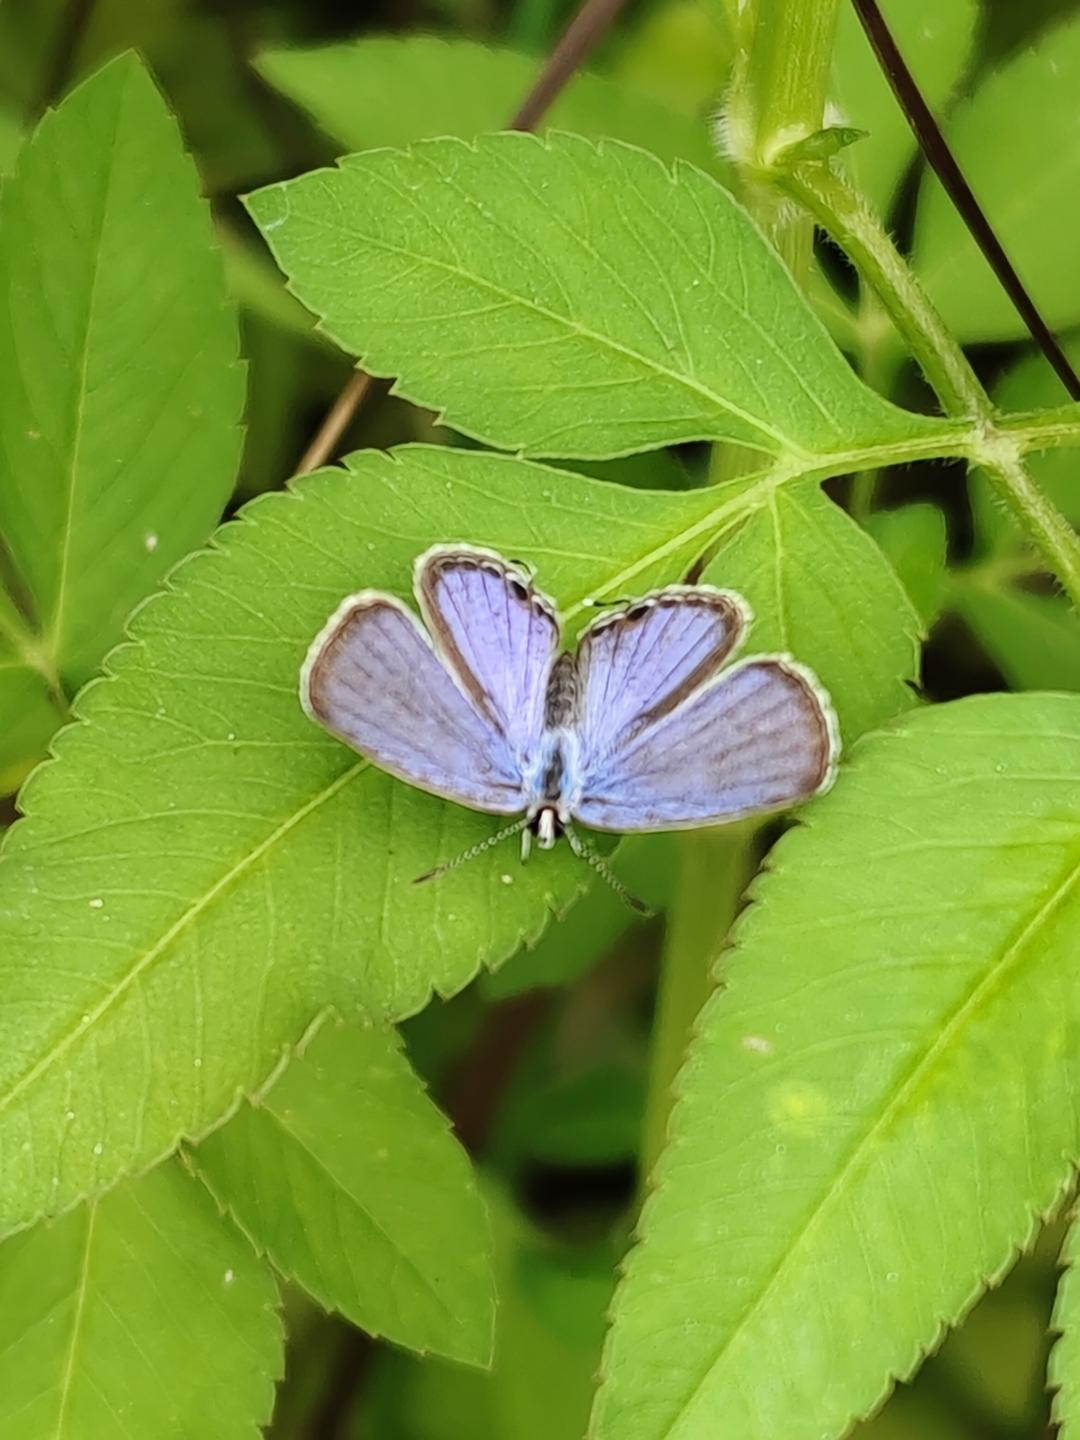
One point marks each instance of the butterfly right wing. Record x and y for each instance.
(372, 678)
(760, 737)
(640, 662)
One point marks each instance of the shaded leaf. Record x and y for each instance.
(390, 90)
(107, 268)
(347, 1176)
(881, 1098)
(935, 38)
(914, 538)
(1034, 640)
(1026, 176)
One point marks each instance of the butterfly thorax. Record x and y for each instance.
(552, 785)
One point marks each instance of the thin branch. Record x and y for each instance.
(588, 26)
(935, 147)
(335, 424)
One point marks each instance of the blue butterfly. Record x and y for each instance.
(641, 728)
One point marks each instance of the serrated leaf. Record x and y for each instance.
(935, 38)
(881, 1097)
(392, 90)
(142, 1314)
(107, 269)
(347, 1176)
(821, 590)
(501, 285)
(202, 871)
(1063, 1371)
(1025, 174)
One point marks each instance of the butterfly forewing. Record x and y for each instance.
(637, 664)
(373, 679)
(497, 634)
(761, 737)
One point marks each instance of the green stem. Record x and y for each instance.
(713, 873)
(998, 450)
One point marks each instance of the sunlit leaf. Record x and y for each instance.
(881, 1097)
(503, 286)
(202, 871)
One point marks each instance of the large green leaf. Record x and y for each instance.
(202, 870)
(142, 1314)
(346, 1175)
(120, 390)
(394, 90)
(565, 299)
(883, 1095)
(1025, 173)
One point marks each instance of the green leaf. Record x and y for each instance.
(388, 90)
(573, 943)
(346, 1175)
(107, 273)
(914, 538)
(1063, 1372)
(143, 1314)
(10, 140)
(934, 37)
(28, 718)
(821, 590)
(202, 871)
(501, 284)
(1034, 640)
(1017, 143)
(882, 1096)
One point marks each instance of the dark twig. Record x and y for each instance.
(586, 28)
(579, 37)
(333, 427)
(934, 146)
(69, 32)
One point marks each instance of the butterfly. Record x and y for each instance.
(645, 726)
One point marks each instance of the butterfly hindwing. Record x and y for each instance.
(760, 737)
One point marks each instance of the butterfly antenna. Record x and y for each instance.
(588, 854)
(475, 850)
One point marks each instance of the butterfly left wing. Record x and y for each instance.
(372, 679)
(761, 737)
